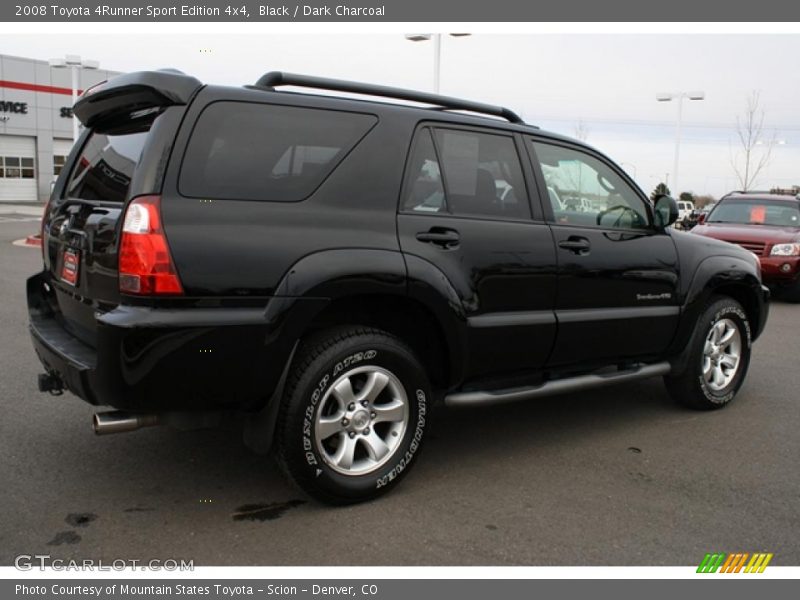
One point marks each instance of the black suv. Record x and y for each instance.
(332, 266)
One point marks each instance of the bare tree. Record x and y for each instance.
(581, 131)
(755, 144)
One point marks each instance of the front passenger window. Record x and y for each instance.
(585, 191)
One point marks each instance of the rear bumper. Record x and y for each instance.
(63, 355)
(157, 360)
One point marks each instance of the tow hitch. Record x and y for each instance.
(50, 383)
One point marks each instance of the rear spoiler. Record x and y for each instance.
(134, 92)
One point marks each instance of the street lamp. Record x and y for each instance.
(631, 165)
(679, 96)
(437, 50)
(74, 63)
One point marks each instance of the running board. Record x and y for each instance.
(557, 386)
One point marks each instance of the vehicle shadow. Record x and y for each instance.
(161, 490)
(214, 462)
(530, 425)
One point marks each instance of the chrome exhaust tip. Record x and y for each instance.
(119, 421)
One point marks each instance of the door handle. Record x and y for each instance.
(576, 244)
(446, 238)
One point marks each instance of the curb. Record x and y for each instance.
(32, 241)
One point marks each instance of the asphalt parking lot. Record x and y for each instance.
(619, 476)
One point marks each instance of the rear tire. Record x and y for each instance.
(718, 356)
(353, 416)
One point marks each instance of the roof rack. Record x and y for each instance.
(277, 78)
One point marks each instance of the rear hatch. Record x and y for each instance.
(81, 229)
(130, 130)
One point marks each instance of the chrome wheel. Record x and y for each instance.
(722, 354)
(361, 420)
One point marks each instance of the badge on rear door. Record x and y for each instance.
(69, 270)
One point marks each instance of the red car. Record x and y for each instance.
(769, 226)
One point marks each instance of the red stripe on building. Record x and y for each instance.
(34, 87)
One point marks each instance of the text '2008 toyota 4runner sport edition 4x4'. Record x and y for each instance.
(332, 266)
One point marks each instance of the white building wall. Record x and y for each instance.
(17, 189)
(43, 120)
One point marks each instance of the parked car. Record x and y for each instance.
(578, 204)
(331, 267)
(768, 225)
(694, 217)
(555, 199)
(685, 209)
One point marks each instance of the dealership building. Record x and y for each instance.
(36, 124)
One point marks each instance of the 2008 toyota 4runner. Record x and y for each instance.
(332, 266)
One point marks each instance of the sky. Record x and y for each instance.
(556, 81)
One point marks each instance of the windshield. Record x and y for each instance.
(757, 212)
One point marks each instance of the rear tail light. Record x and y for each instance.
(145, 264)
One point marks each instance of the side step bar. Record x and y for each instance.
(557, 386)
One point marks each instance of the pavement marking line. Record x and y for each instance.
(19, 219)
(33, 210)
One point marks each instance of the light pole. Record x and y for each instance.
(633, 166)
(679, 96)
(74, 63)
(437, 51)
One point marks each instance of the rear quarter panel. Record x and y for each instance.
(243, 248)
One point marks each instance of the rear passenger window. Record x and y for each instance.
(466, 173)
(425, 190)
(247, 151)
(482, 174)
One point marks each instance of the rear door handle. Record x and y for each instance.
(576, 244)
(439, 236)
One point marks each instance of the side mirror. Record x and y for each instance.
(665, 211)
(701, 218)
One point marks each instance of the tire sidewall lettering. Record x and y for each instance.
(316, 467)
(419, 432)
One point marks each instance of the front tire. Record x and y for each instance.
(354, 415)
(718, 356)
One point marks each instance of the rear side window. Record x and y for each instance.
(247, 151)
(105, 167)
(466, 173)
(425, 192)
